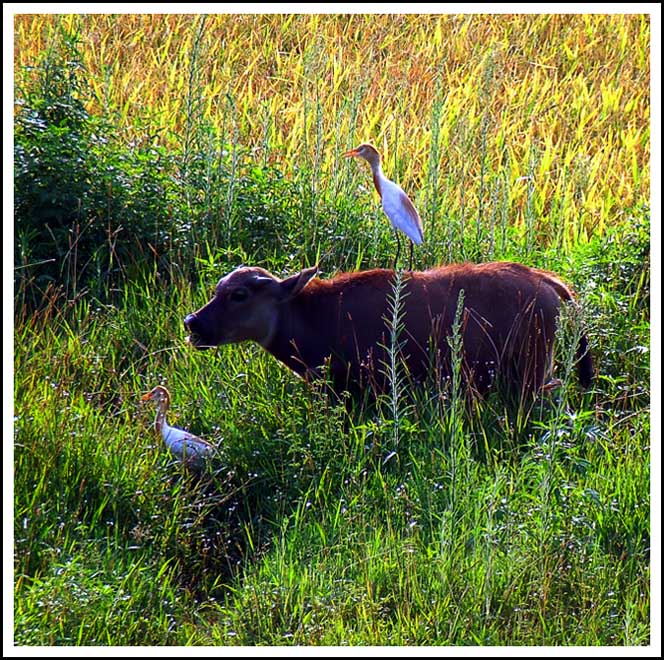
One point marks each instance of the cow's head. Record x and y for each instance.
(246, 306)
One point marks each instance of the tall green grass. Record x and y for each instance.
(423, 520)
(490, 528)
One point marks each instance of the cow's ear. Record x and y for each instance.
(292, 285)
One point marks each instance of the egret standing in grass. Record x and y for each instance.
(396, 204)
(185, 446)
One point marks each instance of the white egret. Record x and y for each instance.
(185, 446)
(396, 204)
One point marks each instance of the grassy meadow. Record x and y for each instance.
(155, 153)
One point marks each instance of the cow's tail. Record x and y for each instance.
(584, 363)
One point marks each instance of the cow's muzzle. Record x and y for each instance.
(194, 338)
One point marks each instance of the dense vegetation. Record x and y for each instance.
(154, 154)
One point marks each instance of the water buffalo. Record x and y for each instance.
(341, 326)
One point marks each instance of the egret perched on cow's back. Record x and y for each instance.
(185, 446)
(396, 204)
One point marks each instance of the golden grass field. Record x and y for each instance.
(560, 102)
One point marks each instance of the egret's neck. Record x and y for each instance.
(378, 177)
(160, 418)
(374, 163)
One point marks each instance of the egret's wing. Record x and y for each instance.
(413, 225)
(182, 443)
(401, 212)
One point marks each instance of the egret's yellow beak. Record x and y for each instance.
(146, 397)
(352, 152)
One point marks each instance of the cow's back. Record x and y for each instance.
(508, 322)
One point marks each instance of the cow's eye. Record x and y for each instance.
(239, 295)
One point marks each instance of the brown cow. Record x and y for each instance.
(341, 326)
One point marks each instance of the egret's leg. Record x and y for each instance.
(396, 258)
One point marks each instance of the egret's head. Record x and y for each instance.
(159, 393)
(366, 151)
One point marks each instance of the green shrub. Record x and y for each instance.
(88, 209)
(92, 210)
